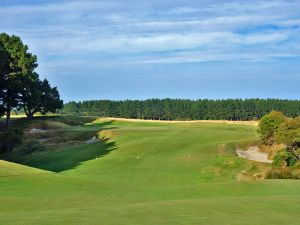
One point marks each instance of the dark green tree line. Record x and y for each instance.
(184, 109)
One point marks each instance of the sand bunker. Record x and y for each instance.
(254, 154)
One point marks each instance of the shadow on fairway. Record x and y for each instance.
(70, 157)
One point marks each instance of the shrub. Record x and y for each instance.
(296, 165)
(280, 173)
(296, 174)
(284, 158)
(269, 124)
(9, 139)
(29, 147)
(285, 166)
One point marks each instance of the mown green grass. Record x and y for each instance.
(14, 169)
(147, 174)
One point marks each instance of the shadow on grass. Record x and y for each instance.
(64, 159)
(70, 156)
(23, 122)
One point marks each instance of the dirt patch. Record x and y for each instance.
(44, 139)
(254, 154)
(245, 175)
(37, 131)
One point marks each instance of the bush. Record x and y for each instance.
(296, 166)
(296, 174)
(29, 147)
(268, 126)
(284, 158)
(9, 139)
(283, 173)
(285, 166)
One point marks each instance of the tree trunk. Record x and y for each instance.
(29, 114)
(7, 118)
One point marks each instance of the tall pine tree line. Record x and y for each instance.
(184, 109)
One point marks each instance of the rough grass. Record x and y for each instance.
(147, 174)
(22, 122)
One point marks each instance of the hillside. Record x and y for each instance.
(14, 169)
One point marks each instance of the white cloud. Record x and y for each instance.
(157, 43)
(213, 23)
(255, 6)
(208, 56)
(108, 28)
(74, 6)
(184, 10)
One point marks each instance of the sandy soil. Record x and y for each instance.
(254, 154)
(251, 123)
(44, 139)
(37, 131)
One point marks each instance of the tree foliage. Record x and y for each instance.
(269, 124)
(182, 109)
(17, 66)
(276, 128)
(288, 132)
(20, 86)
(3, 69)
(38, 96)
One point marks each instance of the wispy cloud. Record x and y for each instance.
(114, 30)
(57, 7)
(157, 43)
(143, 49)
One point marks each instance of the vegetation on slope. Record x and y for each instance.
(275, 128)
(59, 130)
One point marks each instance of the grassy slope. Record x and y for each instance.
(149, 174)
(14, 169)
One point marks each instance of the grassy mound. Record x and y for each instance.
(14, 169)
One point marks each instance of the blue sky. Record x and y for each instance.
(133, 49)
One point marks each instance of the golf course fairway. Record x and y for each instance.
(146, 174)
